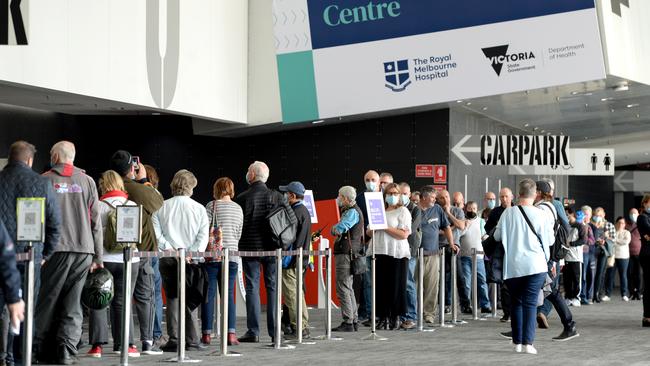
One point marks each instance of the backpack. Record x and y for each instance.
(110, 231)
(560, 246)
(282, 223)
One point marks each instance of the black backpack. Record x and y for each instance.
(562, 237)
(282, 221)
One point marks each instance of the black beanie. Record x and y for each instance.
(121, 162)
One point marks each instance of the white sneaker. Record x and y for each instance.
(518, 348)
(530, 349)
(625, 298)
(605, 298)
(576, 303)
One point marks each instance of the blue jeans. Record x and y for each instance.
(158, 313)
(523, 309)
(214, 280)
(411, 293)
(252, 267)
(588, 274)
(466, 270)
(620, 266)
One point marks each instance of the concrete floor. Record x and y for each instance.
(610, 334)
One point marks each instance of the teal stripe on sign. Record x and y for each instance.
(297, 87)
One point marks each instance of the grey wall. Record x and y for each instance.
(464, 122)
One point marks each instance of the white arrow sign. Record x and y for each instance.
(459, 149)
(632, 181)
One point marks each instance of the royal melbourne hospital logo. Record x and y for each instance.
(396, 74)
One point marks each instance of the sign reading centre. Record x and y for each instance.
(338, 58)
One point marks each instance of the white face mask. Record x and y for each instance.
(405, 199)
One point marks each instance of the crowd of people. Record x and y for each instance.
(520, 242)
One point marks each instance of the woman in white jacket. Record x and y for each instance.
(621, 259)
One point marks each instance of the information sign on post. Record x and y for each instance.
(129, 224)
(30, 219)
(309, 202)
(376, 210)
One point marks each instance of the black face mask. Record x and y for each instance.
(470, 215)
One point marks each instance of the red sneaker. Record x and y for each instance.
(133, 351)
(95, 351)
(205, 339)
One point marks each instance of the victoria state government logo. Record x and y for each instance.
(397, 75)
(499, 55)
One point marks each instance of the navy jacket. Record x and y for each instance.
(19, 180)
(256, 203)
(10, 275)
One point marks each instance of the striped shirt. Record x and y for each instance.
(231, 219)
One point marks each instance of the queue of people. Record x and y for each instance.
(525, 254)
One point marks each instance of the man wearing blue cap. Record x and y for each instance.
(294, 192)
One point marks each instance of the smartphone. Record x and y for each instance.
(135, 160)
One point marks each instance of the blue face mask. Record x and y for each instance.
(647, 210)
(392, 200)
(633, 217)
(371, 186)
(405, 200)
(247, 181)
(491, 204)
(597, 219)
(338, 202)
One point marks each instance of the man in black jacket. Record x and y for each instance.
(256, 203)
(295, 193)
(18, 179)
(10, 279)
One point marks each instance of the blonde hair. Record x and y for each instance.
(110, 181)
(183, 183)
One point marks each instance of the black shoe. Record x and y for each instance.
(151, 349)
(195, 347)
(170, 346)
(567, 334)
(395, 324)
(249, 338)
(356, 326)
(505, 318)
(645, 323)
(447, 309)
(344, 327)
(506, 335)
(64, 357)
(382, 324)
(467, 310)
(486, 310)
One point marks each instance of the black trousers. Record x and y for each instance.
(58, 314)
(390, 286)
(634, 275)
(572, 277)
(645, 265)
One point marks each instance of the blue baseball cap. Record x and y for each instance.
(294, 187)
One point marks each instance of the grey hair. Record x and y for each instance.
(527, 188)
(386, 174)
(65, 151)
(348, 192)
(183, 183)
(586, 208)
(427, 191)
(261, 171)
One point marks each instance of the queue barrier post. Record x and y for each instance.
(373, 336)
(126, 309)
(328, 303)
(28, 325)
(474, 285)
(441, 292)
(277, 341)
(493, 288)
(299, 295)
(225, 293)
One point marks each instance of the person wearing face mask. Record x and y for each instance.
(605, 234)
(456, 218)
(392, 255)
(362, 281)
(414, 239)
(643, 223)
(471, 239)
(634, 268)
(385, 178)
(489, 200)
(349, 232)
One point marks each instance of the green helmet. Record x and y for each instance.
(98, 289)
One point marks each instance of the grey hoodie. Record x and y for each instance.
(81, 226)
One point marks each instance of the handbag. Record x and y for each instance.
(214, 239)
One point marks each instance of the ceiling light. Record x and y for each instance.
(638, 115)
(484, 108)
(468, 103)
(319, 121)
(612, 110)
(586, 138)
(633, 105)
(621, 87)
(542, 131)
(548, 134)
(526, 125)
(536, 128)
(606, 99)
(459, 101)
(574, 93)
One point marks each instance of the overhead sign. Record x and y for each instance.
(338, 58)
(309, 202)
(632, 181)
(599, 162)
(509, 150)
(423, 171)
(376, 210)
(440, 174)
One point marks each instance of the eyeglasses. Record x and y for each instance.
(392, 193)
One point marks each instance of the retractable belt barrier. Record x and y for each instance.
(28, 324)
